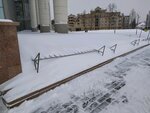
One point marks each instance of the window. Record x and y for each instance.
(1, 10)
(1, 5)
(1, 13)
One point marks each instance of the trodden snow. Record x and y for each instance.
(119, 87)
(53, 44)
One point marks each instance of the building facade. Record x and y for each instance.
(35, 14)
(16, 10)
(97, 19)
(126, 21)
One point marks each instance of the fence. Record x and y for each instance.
(101, 51)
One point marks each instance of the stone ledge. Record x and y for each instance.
(9, 23)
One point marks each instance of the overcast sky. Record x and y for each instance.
(125, 6)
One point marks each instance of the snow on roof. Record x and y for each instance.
(53, 70)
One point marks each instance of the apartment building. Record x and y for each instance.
(126, 20)
(98, 19)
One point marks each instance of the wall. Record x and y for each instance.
(10, 64)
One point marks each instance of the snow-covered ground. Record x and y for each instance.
(119, 87)
(3, 108)
(53, 44)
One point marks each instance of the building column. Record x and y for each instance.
(37, 11)
(33, 15)
(61, 15)
(44, 15)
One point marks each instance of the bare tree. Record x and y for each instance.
(148, 25)
(132, 19)
(148, 21)
(138, 17)
(112, 7)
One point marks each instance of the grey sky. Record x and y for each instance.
(141, 6)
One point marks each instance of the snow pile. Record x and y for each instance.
(54, 70)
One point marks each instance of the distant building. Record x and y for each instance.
(126, 20)
(72, 22)
(97, 19)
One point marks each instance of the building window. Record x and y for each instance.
(1, 5)
(1, 10)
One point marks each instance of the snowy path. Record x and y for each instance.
(119, 87)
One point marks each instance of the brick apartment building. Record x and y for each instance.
(98, 19)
